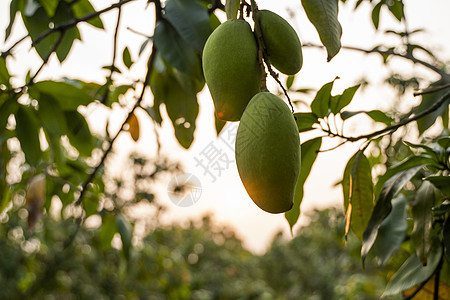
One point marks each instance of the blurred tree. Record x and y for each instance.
(50, 159)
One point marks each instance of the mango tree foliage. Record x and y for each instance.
(395, 186)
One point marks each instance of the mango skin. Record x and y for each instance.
(281, 41)
(268, 153)
(231, 69)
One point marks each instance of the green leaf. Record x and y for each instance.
(177, 52)
(358, 192)
(14, 8)
(7, 108)
(305, 121)
(321, 102)
(27, 130)
(376, 14)
(191, 21)
(107, 231)
(428, 100)
(407, 163)
(66, 94)
(384, 206)
(442, 183)
(340, 101)
(434, 151)
(309, 152)
(126, 234)
(290, 81)
(5, 188)
(78, 133)
(444, 142)
(392, 231)
(412, 272)
(126, 58)
(376, 115)
(182, 108)
(82, 8)
(4, 74)
(90, 204)
(49, 6)
(396, 8)
(214, 22)
(422, 214)
(39, 22)
(219, 124)
(51, 116)
(324, 16)
(232, 8)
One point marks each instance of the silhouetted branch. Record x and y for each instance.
(393, 128)
(65, 26)
(116, 34)
(408, 56)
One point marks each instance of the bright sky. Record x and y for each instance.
(224, 195)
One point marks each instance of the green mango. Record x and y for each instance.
(268, 152)
(281, 42)
(231, 69)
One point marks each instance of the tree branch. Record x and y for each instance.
(66, 26)
(394, 127)
(116, 34)
(408, 56)
(84, 188)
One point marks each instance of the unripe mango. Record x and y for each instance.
(281, 42)
(231, 69)
(268, 152)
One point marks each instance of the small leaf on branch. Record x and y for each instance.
(324, 16)
(338, 102)
(126, 57)
(27, 130)
(305, 121)
(320, 104)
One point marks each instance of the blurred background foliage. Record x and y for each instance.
(198, 260)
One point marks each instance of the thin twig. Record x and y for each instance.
(432, 90)
(66, 26)
(408, 56)
(116, 35)
(416, 291)
(8, 52)
(261, 47)
(139, 33)
(79, 201)
(263, 57)
(393, 128)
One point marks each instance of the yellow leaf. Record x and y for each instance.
(35, 196)
(133, 127)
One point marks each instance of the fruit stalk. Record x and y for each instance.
(261, 48)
